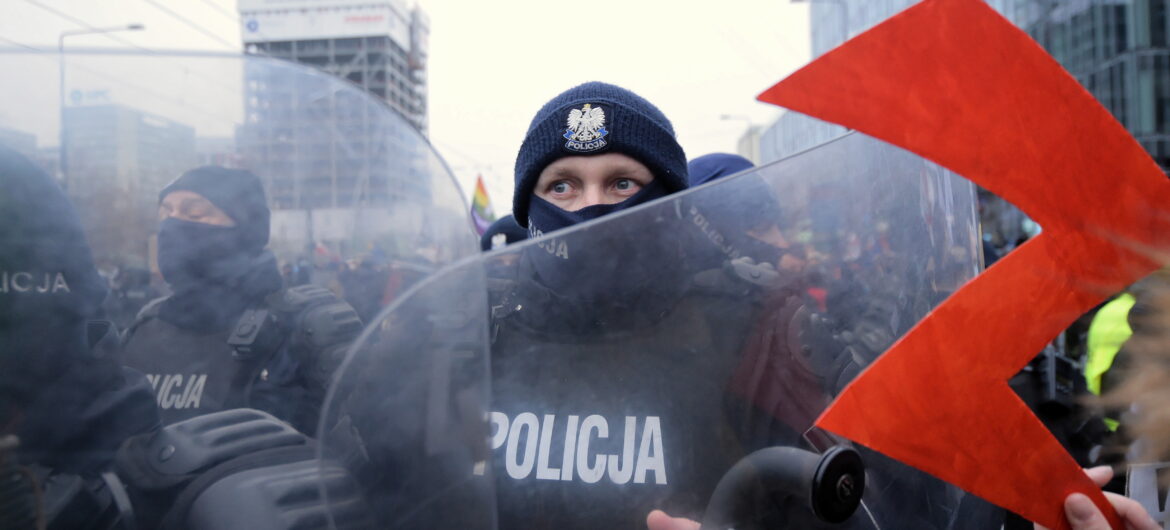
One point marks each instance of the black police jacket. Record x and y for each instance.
(194, 372)
(600, 416)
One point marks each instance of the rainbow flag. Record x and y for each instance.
(481, 207)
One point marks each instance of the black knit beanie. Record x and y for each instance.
(596, 118)
(237, 192)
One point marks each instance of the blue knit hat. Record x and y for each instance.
(596, 118)
(715, 166)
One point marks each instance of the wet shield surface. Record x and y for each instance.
(284, 208)
(637, 360)
(581, 379)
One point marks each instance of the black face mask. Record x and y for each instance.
(213, 274)
(622, 274)
(192, 253)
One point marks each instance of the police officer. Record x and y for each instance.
(607, 347)
(65, 403)
(229, 335)
(714, 166)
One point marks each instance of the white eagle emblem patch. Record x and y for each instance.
(586, 129)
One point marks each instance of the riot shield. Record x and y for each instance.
(341, 200)
(360, 202)
(670, 357)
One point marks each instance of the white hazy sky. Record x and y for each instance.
(492, 64)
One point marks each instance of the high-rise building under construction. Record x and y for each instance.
(332, 149)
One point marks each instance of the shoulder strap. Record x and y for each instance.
(307, 322)
(293, 300)
(148, 312)
(316, 317)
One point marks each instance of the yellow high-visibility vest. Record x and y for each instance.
(1107, 333)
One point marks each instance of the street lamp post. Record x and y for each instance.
(62, 155)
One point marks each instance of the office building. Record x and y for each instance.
(832, 22)
(1120, 51)
(117, 158)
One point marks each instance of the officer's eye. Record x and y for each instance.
(560, 187)
(198, 209)
(625, 185)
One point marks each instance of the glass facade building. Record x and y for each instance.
(118, 158)
(1118, 49)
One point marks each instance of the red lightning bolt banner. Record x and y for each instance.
(953, 81)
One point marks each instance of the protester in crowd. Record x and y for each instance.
(363, 284)
(1082, 514)
(1140, 373)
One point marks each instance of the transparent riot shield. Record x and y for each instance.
(671, 357)
(360, 203)
(407, 411)
(294, 199)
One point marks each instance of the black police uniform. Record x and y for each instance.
(600, 416)
(295, 338)
(65, 403)
(229, 335)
